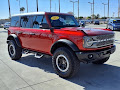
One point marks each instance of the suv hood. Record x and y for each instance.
(89, 31)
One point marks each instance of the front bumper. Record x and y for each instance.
(95, 55)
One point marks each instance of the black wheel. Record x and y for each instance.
(101, 61)
(14, 50)
(65, 62)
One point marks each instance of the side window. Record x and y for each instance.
(26, 21)
(44, 20)
(36, 21)
(15, 21)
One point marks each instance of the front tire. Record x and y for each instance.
(101, 61)
(14, 50)
(65, 62)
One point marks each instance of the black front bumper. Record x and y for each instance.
(95, 55)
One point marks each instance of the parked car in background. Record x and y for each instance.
(96, 22)
(82, 23)
(89, 21)
(6, 25)
(114, 24)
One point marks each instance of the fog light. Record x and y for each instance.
(90, 56)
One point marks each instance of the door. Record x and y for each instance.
(33, 37)
(25, 29)
(40, 39)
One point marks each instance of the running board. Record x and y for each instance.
(38, 56)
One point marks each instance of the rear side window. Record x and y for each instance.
(15, 21)
(36, 21)
(44, 20)
(26, 21)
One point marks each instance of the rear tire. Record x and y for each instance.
(14, 50)
(65, 62)
(101, 61)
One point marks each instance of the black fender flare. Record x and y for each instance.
(66, 42)
(14, 37)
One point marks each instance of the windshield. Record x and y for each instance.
(116, 21)
(63, 21)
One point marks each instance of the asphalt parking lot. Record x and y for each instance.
(30, 73)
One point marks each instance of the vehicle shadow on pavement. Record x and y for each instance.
(98, 77)
(42, 63)
(90, 76)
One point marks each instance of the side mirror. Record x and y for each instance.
(44, 26)
(52, 29)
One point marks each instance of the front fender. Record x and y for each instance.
(63, 42)
(15, 38)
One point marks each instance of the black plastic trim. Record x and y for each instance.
(97, 55)
(15, 38)
(67, 42)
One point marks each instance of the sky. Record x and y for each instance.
(66, 6)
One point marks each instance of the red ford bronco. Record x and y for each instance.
(59, 35)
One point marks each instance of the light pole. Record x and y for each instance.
(108, 8)
(118, 8)
(59, 6)
(91, 7)
(55, 7)
(93, 10)
(37, 4)
(50, 5)
(104, 8)
(27, 5)
(113, 14)
(78, 11)
(9, 9)
(19, 5)
(108, 13)
(73, 5)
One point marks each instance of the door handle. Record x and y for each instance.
(32, 33)
(19, 32)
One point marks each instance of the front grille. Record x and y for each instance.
(101, 37)
(104, 40)
(104, 43)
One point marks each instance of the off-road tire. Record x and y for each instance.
(16, 53)
(101, 61)
(74, 63)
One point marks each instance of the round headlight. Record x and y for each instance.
(89, 41)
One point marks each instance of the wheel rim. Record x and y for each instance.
(62, 63)
(12, 50)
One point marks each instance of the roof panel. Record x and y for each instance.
(32, 13)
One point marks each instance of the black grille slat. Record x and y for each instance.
(107, 40)
(104, 37)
